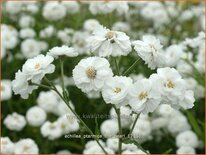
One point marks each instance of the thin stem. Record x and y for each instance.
(135, 121)
(88, 129)
(41, 85)
(131, 67)
(67, 103)
(62, 74)
(117, 66)
(120, 130)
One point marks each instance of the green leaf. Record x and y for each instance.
(168, 151)
(195, 125)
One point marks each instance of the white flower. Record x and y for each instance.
(68, 123)
(26, 21)
(52, 103)
(173, 88)
(6, 91)
(186, 150)
(36, 116)
(109, 128)
(159, 123)
(112, 143)
(48, 101)
(92, 147)
(13, 7)
(93, 95)
(7, 146)
(71, 6)
(62, 51)
(150, 51)
(121, 26)
(64, 152)
(173, 55)
(101, 7)
(3, 52)
(91, 143)
(26, 146)
(177, 123)
(142, 130)
(153, 11)
(91, 24)
(91, 73)
(106, 42)
(143, 97)
(116, 89)
(79, 42)
(165, 110)
(53, 11)
(27, 33)
(15, 122)
(38, 67)
(125, 113)
(30, 48)
(187, 138)
(133, 152)
(47, 32)
(108, 7)
(65, 35)
(51, 130)
(21, 86)
(9, 36)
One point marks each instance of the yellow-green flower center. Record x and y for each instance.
(142, 95)
(91, 72)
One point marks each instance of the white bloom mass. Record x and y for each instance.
(187, 138)
(36, 116)
(173, 55)
(68, 123)
(51, 130)
(91, 73)
(106, 42)
(186, 150)
(53, 11)
(71, 6)
(149, 49)
(109, 128)
(15, 122)
(26, 146)
(125, 113)
(116, 89)
(91, 24)
(7, 146)
(6, 91)
(30, 48)
(48, 101)
(27, 33)
(62, 51)
(142, 130)
(143, 97)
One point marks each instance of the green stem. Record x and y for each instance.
(67, 103)
(41, 85)
(117, 66)
(120, 130)
(62, 74)
(131, 67)
(135, 121)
